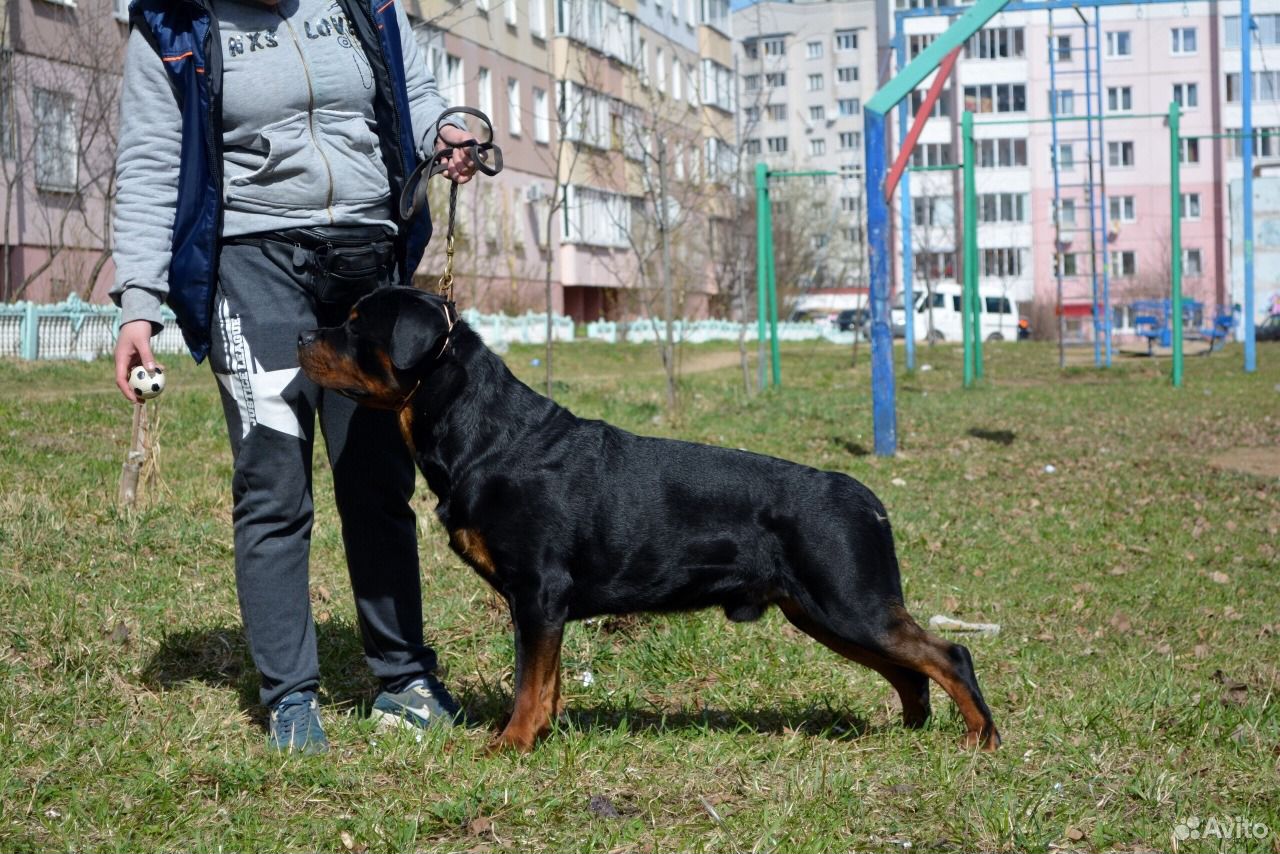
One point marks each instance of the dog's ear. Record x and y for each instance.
(418, 333)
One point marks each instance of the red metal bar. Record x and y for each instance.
(922, 115)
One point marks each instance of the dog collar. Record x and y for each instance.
(450, 317)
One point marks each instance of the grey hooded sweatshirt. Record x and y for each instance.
(299, 145)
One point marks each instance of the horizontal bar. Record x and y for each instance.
(809, 174)
(992, 122)
(1027, 6)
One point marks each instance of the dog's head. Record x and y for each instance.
(391, 340)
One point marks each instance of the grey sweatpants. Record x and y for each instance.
(263, 302)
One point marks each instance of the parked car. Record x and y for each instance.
(1268, 330)
(850, 318)
(997, 319)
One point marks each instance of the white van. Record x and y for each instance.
(998, 320)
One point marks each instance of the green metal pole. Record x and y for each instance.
(763, 263)
(773, 299)
(970, 246)
(1175, 229)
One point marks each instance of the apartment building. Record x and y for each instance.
(59, 82)
(1026, 67)
(805, 69)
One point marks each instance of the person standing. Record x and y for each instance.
(263, 147)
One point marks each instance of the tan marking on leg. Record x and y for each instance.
(536, 669)
(470, 545)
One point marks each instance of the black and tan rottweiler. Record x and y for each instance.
(570, 518)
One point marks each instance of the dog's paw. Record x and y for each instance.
(987, 740)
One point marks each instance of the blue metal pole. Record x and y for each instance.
(882, 381)
(1102, 185)
(30, 333)
(1093, 201)
(1246, 129)
(904, 211)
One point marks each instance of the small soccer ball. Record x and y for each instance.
(145, 385)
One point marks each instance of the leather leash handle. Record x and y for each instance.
(485, 155)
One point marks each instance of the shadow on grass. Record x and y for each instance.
(218, 656)
(1000, 437)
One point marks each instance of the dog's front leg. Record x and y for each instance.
(537, 681)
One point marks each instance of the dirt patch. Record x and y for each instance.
(1259, 462)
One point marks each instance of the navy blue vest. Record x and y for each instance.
(185, 35)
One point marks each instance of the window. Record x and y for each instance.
(813, 50)
(601, 26)
(1000, 153)
(751, 146)
(595, 217)
(996, 43)
(1266, 30)
(941, 107)
(715, 13)
(997, 305)
(1190, 205)
(996, 98)
(750, 82)
(776, 80)
(1002, 263)
(1066, 212)
(933, 210)
(848, 106)
(817, 114)
(1060, 48)
(1192, 263)
(1065, 264)
(1119, 99)
(1182, 40)
(541, 116)
(513, 106)
(1124, 263)
(1119, 43)
(817, 147)
(931, 266)
(777, 144)
(57, 145)
(537, 18)
(1266, 86)
(1062, 102)
(1266, 142)
(846, 40)
(850, 140)
(510, 12)
(1189, 150)
(775, 47)
(452, 90)
(851, 204)
(776, 112)
(751, 114)
(1119, 153)
(1122, 209)
(660, 59)
(642, 61)
(815, 82)
(1186, 95)
(848, 74)
(751, 49)
(484, 83)
(1066, 155)
(718, 85)
(932, 154)
(918, 42)
(1002, 207)
(677, 78)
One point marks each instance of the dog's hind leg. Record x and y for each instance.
(912, 686)
(901, 643)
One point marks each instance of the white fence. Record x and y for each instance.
(78, 330)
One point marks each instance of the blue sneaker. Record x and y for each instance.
(423, 703)
(295, 725)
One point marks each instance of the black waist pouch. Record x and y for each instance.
(344, 263)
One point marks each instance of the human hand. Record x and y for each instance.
(133, 348)
(459, 167)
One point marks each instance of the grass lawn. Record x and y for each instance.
(1135, 680)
